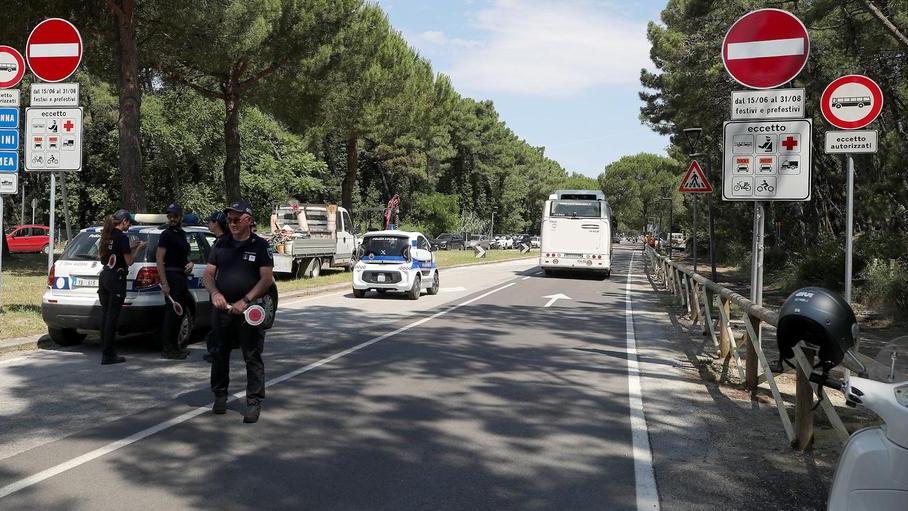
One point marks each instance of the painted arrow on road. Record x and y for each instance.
(555, 298)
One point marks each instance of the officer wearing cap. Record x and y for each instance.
(217, 224)
(174, 267)
(239, 272)
(116, 255)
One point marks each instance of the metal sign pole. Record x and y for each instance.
(696, 196)
(53, 206)
(849, 229)
(69, 232)
(1, 251)
(756, 281)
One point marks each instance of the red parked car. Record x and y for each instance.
(29, 238)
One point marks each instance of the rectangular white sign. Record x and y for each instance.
(767, 160)
(851, 142)
(54, 94)
(9, 183)
(767, 104)
(9, 98)
(53, 139)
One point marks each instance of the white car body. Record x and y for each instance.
(394, 261)
(70, 305)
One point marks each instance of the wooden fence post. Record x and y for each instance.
(725, 338)
(752, 364)
(804, 407)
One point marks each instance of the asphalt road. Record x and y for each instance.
(482, 397)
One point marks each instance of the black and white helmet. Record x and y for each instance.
(820, 318)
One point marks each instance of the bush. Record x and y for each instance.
(822, 264)
(885, 286)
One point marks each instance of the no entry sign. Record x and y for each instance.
(765, 48)
(54, 50)
(12, 67)
(851, 102)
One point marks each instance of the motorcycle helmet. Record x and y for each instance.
(818, 317)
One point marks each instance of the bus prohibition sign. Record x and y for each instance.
(851, 102)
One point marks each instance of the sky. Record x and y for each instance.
(564, 74)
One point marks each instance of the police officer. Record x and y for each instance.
(239, 272)
(217, 224)
(174, 267)
(116, 255)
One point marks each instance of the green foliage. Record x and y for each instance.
(634, 187)
(885, 286)
(436, 213)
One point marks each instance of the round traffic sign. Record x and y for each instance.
(54, 50)
(851, 102)
(765, 48)
(12, 67)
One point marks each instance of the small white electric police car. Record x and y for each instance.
(70, 305)
(395, 261)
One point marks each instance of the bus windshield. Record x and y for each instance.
(576, 209)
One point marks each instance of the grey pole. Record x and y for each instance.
(34, 204)
(696, 196)
(756, 278)
(22, 211)
(1, 251)
(53, 205)
(849, 229)
(69, 232)
(712, 231)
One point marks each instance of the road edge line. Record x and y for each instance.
(99, 452)
(644, 473)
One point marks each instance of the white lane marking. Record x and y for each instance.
(145, 433)
(525, 278)
(647, 492)
(555, 298)
(769, 48)
(453, 289)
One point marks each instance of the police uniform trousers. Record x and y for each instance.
(179, 291)
(229, 329)
(111, 294)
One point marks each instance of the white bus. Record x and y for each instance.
(576, 232)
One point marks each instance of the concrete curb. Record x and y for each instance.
(33, 342)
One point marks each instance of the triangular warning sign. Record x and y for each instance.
(695, 180)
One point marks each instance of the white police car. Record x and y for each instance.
(395, 261)
(70, 305)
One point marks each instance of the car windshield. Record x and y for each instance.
(444, 236)
(576, 208)
(84, 247)
(386, 246)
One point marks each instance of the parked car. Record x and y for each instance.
(449, 241)
(28, 238)
(479, 240)
(396, 261)
(535, 242)
(70, 305)
(522, 238)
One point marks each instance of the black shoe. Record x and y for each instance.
(220, 405)
(252, 413)
(112, 360)
(208, 357)
(176, 355)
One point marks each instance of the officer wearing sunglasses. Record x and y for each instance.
(239, 272)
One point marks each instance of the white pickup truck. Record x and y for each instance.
(306, 237)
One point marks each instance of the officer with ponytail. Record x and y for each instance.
(116, 255)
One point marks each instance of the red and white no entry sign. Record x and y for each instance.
(765, 48)
(12, 67)
(851, 102)
(54, 50)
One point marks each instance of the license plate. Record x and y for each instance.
(80, 282)
(381, 277)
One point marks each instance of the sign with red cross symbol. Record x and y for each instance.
(767, 160)
(790, 143)
(55, 139)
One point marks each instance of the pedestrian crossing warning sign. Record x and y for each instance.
(695, 180)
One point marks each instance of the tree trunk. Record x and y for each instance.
(350, 176)
(232, 141)
(130, 151)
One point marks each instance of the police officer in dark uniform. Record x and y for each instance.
(239, 272)
(116, 255)
(217, 224)
(174, 267)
